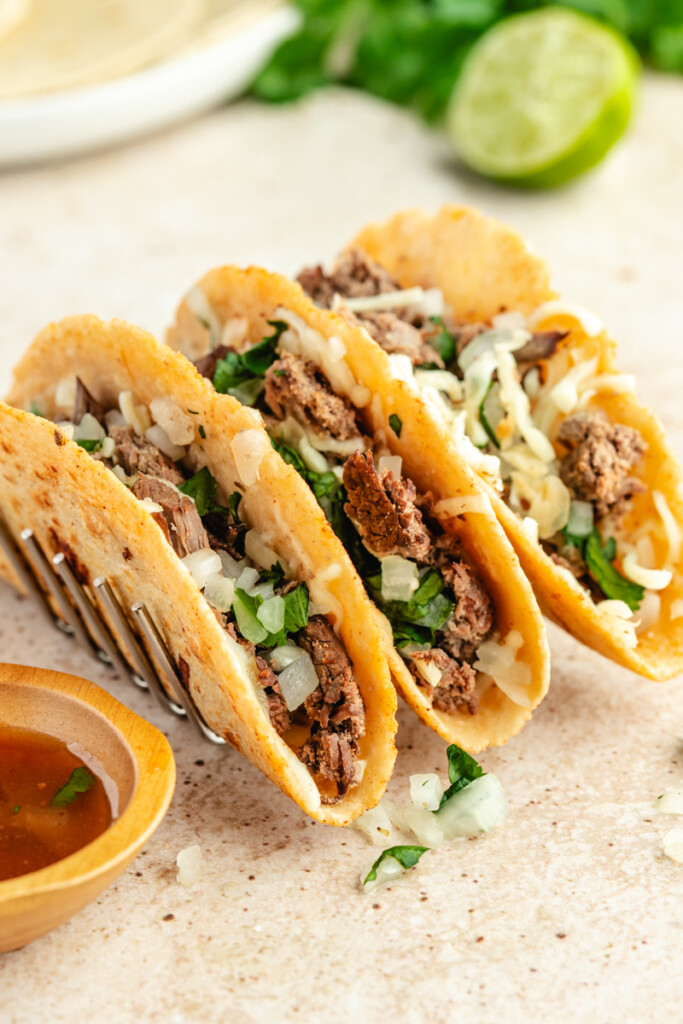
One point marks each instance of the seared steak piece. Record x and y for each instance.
(138, 455)
(206, 365)
(180, 520)
(384, 510)
(86, 403)
(600, 459)
(472, 618)
(277, 707)
(394, 334)
(541, 345)
(355, 274)
(299, 389)
(455, 688)
(335, 708)
(225, 535)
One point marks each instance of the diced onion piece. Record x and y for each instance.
(651, 579)
(671, 528)
(580, 521)
(499, 660)
(548, 501)
(590, 323)
(121, 474)
(385, 300)
(392, 463)
(447, 508)
(400, 578)
(258, 551)
(618, 615)
(65, 394)
(160, 439)
(303, 340)
(509, 321)
(423, 824)
(150, 505)
(198, 305)
(271, 614)
(614, 607)
(107, 449)
(426, 791)
(388, 871)
(670, 802)
(202, 564)
(89, 429)
(248, 449)
(402, 367)
(234, 332)
(135, 416)
(676, 609)
(247, 579)
(231, 567)
(377, 826)
(266, 590)
(565, 394)
(649, 611)
(280, 657)
(189, 863)
(179, 426)
(477, 808)
(673, 845)
(530, 527)
(337, 348)
(219, 591)
(114, 418)
(428, 670)
(298, 681)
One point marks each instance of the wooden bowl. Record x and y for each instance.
(136, 757)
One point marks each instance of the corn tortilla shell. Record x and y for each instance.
(483, 268)
(53, 485)
(256, 295)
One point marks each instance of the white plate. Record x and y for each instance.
(75, 121)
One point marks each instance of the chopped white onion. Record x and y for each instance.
(651, 579)
(377, 826)
(150, 505)
(189, 863)
(590, 323)
(219, 591)
(673, 845)
(385, 300)
(258, 551)
(136, 416)
(614, 607)
(509, 321)
(388, 871)
(400, 578)
(423, 824)
(247, 579)
(202, 564)
(530, 527)
(391, 463)
(114, 418)
(670, 802)
(548, 501)
(89, 429)
(499, 660)
(160, 439)
(230, 566)
(107, 449)
(120, 472)
(477, 808)
(199, 306)
(65, 393)
(248, 449)
(565, 394)
(178, 425)
(447, 508)
(426, 791)
(580, 521)
(428, 670)
(337, 348)
(234, 332)
(402, 367)
(280, 657)
(298, 681)
(266, 590)
(271, 614)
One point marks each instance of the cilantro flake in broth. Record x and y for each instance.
(80, 781)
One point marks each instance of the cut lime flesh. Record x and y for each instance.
(542, 97)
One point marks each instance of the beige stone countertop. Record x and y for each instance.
(569, 911)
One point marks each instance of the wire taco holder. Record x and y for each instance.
(45, 576)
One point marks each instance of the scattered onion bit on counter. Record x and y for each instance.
(673, 845)
(189, 863)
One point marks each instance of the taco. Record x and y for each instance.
(580, 474)
(464, 635)
(175, 494)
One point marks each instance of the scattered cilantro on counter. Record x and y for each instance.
(407, 857)
(462, 769)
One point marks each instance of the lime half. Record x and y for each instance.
(542, 97)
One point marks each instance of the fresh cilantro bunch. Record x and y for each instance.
(410, 52)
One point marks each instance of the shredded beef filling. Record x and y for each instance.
(299, 388)
(355, 275)
(335, 708)
(383, 510)
(138, 455)
(455, 688)
(179, 519)
(472, 619)
(600, 459)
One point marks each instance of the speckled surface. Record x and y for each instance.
(569, 911)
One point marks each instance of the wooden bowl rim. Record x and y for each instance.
(153, 787)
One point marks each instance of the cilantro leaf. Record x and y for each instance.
(245, 606)
(418, 619)
(599, 558)
(462, 769)
(296, 609)
(90, 444)
(407, 856)
(17, 808)
(203, 488)
(443, 342)
(234, 504)
(274, 575)
(396, 424)
(241, 374)
(80, 781)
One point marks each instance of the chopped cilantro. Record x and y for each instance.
(202, 488)
(327, 488)
(396, 424)
(234, 504)
(599, 558)
(418, 619)
(193, 412)
(274, 575)
(443, 342)
(462, 769)
(245, 607)
(202, 432)
(241, 374)
(407, 856)
(33, 408)
(17, 808)
(80, 781)
(90, 444)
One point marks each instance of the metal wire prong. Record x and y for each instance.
(162, 655)
(72, 623)
(23, 571)
(108, 651)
